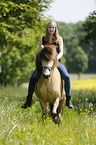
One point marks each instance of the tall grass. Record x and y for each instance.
(25, 127)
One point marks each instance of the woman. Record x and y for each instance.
(52, 37)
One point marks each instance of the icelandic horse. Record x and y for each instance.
(49, 87)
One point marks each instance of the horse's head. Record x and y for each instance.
(46, 60)
(47, 68)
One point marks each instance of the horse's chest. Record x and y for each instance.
(48, 90)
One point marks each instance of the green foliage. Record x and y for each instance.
(18, 15)
(77, 60)
(90, 27)
(19, 126)
(88, 43)
(18, 43)
(19, 63)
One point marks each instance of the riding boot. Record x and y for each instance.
(28, 102)
(68, 102)
(30, 91)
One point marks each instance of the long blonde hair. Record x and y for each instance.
(56, 37)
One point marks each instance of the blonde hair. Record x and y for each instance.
(56, 37)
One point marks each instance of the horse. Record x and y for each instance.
(49, 87)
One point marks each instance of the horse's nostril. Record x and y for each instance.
(46, 76)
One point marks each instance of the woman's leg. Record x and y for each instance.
(32, 84)
(65, 76)
(30, 90)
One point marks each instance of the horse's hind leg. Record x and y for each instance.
(60, 107)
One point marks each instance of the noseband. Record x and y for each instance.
(47, 67)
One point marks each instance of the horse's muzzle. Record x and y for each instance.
(46, 76)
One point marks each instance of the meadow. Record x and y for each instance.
(25, 127)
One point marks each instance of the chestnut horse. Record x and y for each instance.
(49, 87)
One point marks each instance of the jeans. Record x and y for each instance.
(64, 74)
(32, 82)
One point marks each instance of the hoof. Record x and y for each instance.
(57, 120)
(53, 116)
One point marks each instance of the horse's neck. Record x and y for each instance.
(52, 72)
(48, 81)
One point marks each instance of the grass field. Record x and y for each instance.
(25, 127)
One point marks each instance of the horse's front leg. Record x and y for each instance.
(55, 116)
(44, 109)
(55, 106)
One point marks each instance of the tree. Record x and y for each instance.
(16, 15)
(18, 56)
(88, 42)
(90, 27)
(78, 61)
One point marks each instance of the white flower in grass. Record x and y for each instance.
(90, 105)
(86, 99)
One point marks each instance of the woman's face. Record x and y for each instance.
(51, 29)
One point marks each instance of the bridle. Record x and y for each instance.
(47, 67)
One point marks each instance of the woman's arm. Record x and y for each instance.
(61, 49)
